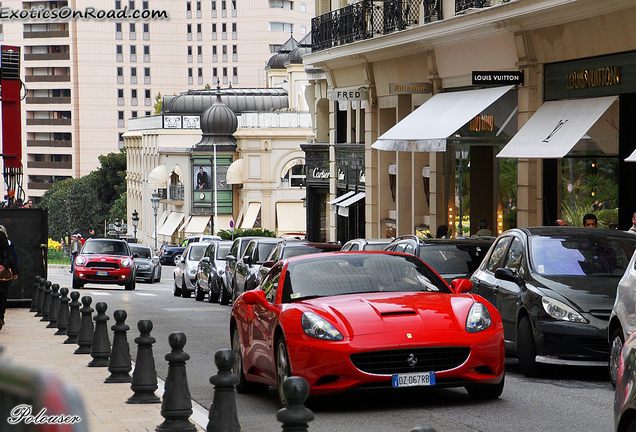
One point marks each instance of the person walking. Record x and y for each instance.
(75, 249)
(8, 260)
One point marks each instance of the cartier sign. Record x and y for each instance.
(320, 173)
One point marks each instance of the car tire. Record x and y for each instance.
(212, 297)
(616, 347)
(224, 298)
(526, 349)
(486, 391)
(130, 285)
(158, 277)
(151, 279)
(176, 290)
(283, 370)
(198, 294)
(175, 259)
(184, 289)
(77, 284)
(243, 386)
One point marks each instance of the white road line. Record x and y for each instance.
(145, 294)
(99, 293)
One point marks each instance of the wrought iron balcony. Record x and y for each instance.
(176, 192)
(462, 6)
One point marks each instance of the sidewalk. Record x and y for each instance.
(27, 341)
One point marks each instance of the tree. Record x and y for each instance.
(110, 178)
(158, 103)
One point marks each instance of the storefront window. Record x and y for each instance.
(295, 177)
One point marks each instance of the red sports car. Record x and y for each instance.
(105, 261)
(346, 320)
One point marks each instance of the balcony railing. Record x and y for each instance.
(45, 34)
(48, 100)
(49, 143)
(176, 192)
(47, 78)
(48, 122)
(49, 164)
(463, 6)
(47, 56)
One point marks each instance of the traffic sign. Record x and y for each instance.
(231, 224)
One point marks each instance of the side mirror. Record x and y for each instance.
(461, 286)
(268, 264)
(230, 258)
(507, 275)
(254, 297)
(205, 259)
(135, 255)
(247, 260)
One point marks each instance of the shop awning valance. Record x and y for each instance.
(427, 128)
(234, 173)
(290, 217)
(555, 128)
(250, 216)
(333, 202)
(159, 175)
(171, 224)
(197, 224)
(343, 206)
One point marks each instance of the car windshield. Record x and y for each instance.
(196, 252)
(453, 259)
(222, 250)
(304, 250)
(375, 246)
(263, 250)
(105, 248)
(143, 252)
(571, 255)
(359, 273)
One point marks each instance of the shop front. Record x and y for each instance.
(317, 190)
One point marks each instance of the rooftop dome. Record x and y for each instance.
(278, 60)
(218, 123)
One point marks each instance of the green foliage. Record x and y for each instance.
(118, 208)
(573, 215)
(158, 103)
(110, 179)
(56, 256)
(227, 234)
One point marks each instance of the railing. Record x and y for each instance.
(177, 192)
(49, 143)
(47, 78)
(462, 6)
(48, 122)
(47, 56)
(45, 34)
(48, 100)
(49, 164)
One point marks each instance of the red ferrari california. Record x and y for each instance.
(347, 320)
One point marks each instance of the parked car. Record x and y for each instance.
(291, 248)
(362, 320)
(199, 238)
(246, 273)
(170, 254)
(625, 393)
(105, 261)
(185, 273)
(359, 244)
(554, 288)
(147, 263)
(236, 252)
(450, 258)
(210, 273)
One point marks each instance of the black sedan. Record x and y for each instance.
(170, 254)
(554, 288)
(148, 264)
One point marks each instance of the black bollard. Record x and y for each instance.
(100, 350)
(144, 378)
(40, 304)
(73, 319)
(223, 414)
(55, 306)
(295, 416)
(34, 296)
(63, 313)
(46, 306)
(85, 335)
(119, 364)
(176, 407)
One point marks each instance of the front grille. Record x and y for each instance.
(102, 265)
(101, 278)
(598, 345)
(423, 360)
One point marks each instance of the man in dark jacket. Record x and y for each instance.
(7, 260)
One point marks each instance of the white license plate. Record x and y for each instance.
(414, 379)
(102, 273)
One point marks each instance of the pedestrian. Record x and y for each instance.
(81, 239)
(91, 233)
(632, 229)
(590, 221)
(75, 249)
(442, 231)
(8, 262)
(484, 229)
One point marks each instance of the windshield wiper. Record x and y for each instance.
(309, 297)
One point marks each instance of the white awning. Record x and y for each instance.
(251, 214)
(426, 128)
(162, 218)
(234, 173)
(333, 202)
(197, 224)
(223, 222)
(343, 206)
(159, 175)
(555, 128)
(631, 157)
(290, 217)
(171, 224)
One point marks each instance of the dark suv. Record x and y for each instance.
(170, 254)
(236, 253)
(450, 258)
(246, 273)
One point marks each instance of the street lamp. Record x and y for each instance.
(117, 227)
(155, 206)
(135, 222)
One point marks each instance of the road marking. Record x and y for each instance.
(98, 293)
(193, 309)
(145, 294)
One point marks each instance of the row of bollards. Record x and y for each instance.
(53, 304)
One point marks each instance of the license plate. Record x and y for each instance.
(102, 273)
(414, 379)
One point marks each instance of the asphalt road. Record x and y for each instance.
(564, 399)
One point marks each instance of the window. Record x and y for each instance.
(131, 4)
(224, 28)
(496, 257)
(133, 93)
(147, 113)
(303, 7)
(515, 255)
(120, 93)
(199, 28)
(120, 71)
(188, 6)
(132, 27)
(233, 2)
(133, 114)
(224, 49)
(118, 27)
(233, 27)
(144, 5)
(133, 49)
(117, 4)
(146, 72)
(223, 4)
(189, 50)
(224, 72)
(146, 49)
(234, 49)
(189, 72)
(133, 71)
(270, 286)
(200, 73)
(213, 49)
(235, 71)
(189, 28)
(303, 30)
(120, 49)
(214, 28)
(214, 5)
(147, 93)
(282, 27)
(214, 72)
(146, 28)
(120, 115)
(198, 6)
(199, 50)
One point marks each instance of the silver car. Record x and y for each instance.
(185, 272)
(623, 317)
(147, 262)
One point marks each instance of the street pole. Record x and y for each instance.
(154, 200)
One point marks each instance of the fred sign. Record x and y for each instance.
(359, 93)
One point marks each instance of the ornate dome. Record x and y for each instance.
(277, 61)
(218, 123)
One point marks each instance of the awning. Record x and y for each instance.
(250, 215)
(234, 173)
(159, 175)
(426, 128)
(290, 217)
(162, 218)
(171, 224)
(197, 224)
(223, 222)
(631, 157)
(343, 206)
(333, 202)
(177, 170)
(555, 128)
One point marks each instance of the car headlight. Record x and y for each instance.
(126, 262)
(317, 327)
(561, 311)
(80, 260)
(478, 318)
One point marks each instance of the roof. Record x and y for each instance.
(239, 100)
